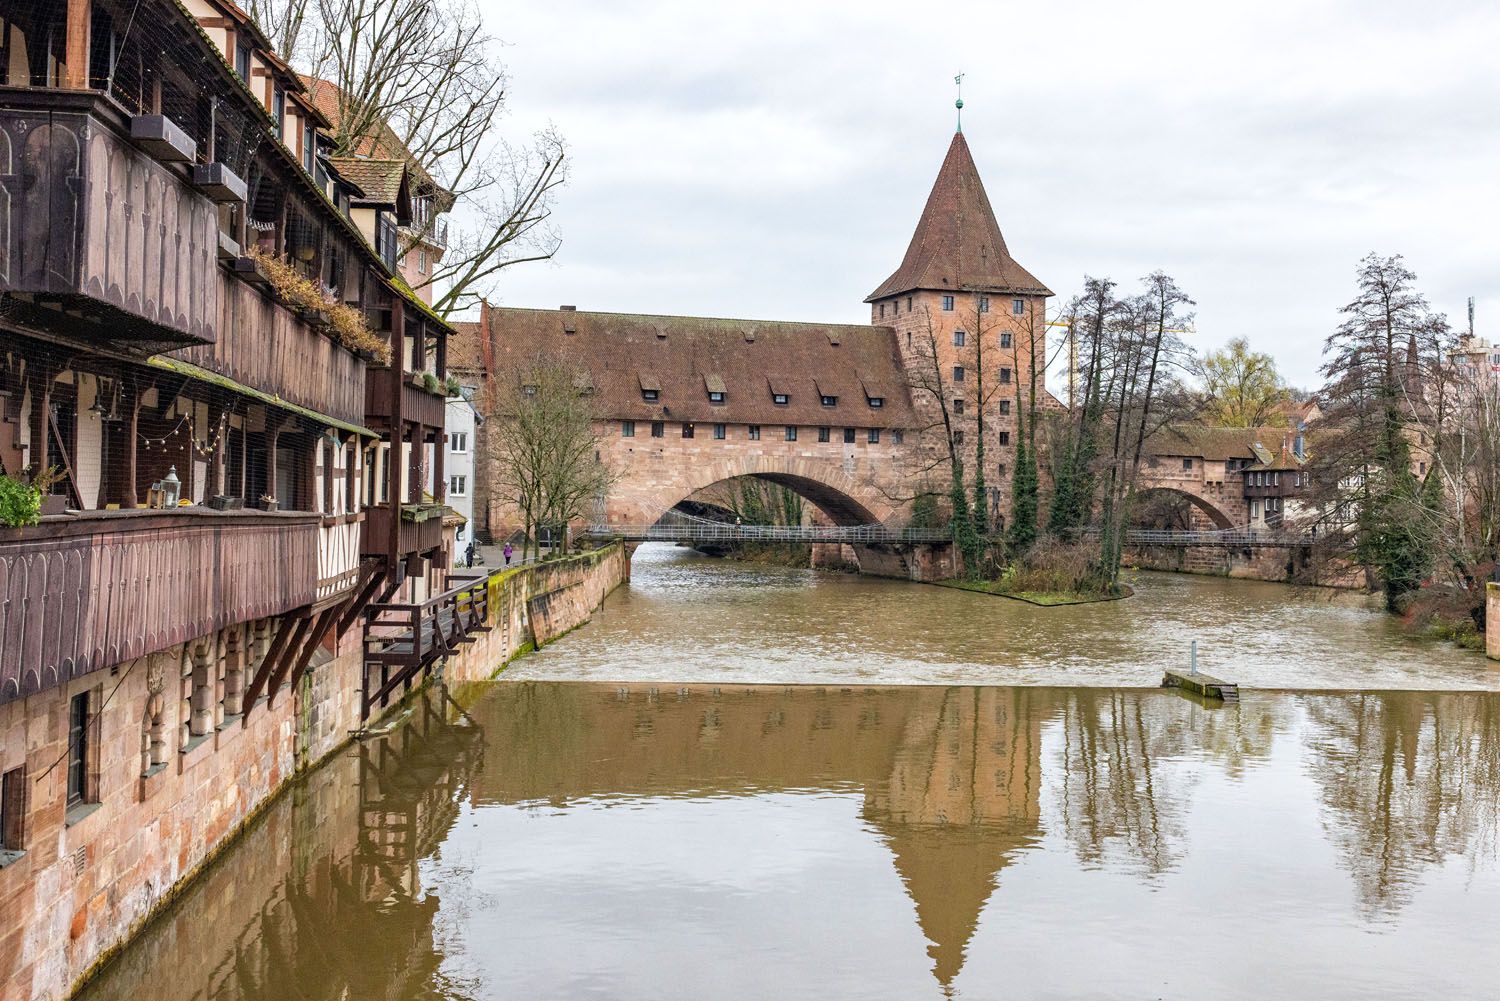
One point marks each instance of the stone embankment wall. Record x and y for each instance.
(1289, 566)
(88, 879)
(1492, 620)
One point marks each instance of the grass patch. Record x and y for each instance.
(1046, 599)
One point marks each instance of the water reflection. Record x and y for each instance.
(575, 840)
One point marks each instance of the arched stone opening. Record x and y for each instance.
(1208, 508)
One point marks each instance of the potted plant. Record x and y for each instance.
(266, 503)
(23, 501)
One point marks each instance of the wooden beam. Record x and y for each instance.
(76, 51)
(313, 639)
(361, 599)
(279, 672)
(263, 670)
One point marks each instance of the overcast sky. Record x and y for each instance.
(770, 159)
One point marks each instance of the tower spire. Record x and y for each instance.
(958, 82)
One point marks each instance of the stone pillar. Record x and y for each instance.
(1492, 620)
(234, 672)
(201, 703)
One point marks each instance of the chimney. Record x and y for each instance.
(568, 309)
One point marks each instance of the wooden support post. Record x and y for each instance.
(271, 439)
(361, 599)
(263, 669)
(393, 458)
(132, 442)
(319, 630)
(288, 654)
(76, 51)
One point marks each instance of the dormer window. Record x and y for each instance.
(242, 61)
(876, 402)
(830, 401)
(650, 395)
(278, 108)
(650, 387)
(715, 397)
(1018, 307)
(780, 399)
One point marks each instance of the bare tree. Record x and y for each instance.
(419, 80)
(545, 445)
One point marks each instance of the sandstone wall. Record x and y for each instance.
(79, 890)
(1492, 620)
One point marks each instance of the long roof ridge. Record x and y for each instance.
(685, 316)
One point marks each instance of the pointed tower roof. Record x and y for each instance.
(958, 245)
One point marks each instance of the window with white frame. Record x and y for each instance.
(458, 441)
(458, 486)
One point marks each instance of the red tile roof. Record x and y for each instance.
(958, 244)
(685, 357)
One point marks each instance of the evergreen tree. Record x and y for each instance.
(1024, 485)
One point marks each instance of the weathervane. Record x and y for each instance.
(958, 82)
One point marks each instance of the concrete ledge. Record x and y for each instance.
(1202, 684)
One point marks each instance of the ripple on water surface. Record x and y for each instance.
(686, 617)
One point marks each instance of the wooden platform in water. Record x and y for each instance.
(1202, 684)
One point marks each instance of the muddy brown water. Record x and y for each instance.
(714, 839)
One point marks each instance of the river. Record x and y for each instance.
(687, 617)
(708, 838)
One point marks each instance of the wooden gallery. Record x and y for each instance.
(228, 407)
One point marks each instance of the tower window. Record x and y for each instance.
(897, 436)
(882, 310)
(1004, 408)
(908, 304)
(755, 432)
(958, 405)
(78, 749)
(1005, 437)
(947, 303)
(1018, 307)
(1005, 339)
(959, 337)
(1005, 377)
(984, 304)
(958, 373)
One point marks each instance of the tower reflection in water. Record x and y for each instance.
(324, 897)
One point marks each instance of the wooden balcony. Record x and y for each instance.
(401, 640)
(418, 405)
(97, 239)
(421, 530)
(87, 592)
(264, 345)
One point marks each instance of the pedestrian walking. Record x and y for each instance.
(507, 551)
(469, 553)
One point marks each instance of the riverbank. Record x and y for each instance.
(92, 875)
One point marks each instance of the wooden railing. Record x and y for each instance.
(91, 223)
(417, 403)
(402, 640)
(83, 593)
(415, 536)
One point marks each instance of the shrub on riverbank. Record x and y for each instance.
(1443, 613)
(1052, 572)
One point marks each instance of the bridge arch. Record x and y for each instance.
(842, 498)
(1213, 511)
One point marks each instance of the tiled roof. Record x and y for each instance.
(324, 95)
(958, 244)
(685, 357)
(379, 180)
(1217, 444)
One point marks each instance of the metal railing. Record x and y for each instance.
(1228, 538)
(708, 531)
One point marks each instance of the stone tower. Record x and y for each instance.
(968, 318)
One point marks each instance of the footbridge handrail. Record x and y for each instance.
(1226, 537)
(702, 530)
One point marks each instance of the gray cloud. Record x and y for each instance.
(770, 159)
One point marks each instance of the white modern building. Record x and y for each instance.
(461, 422)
